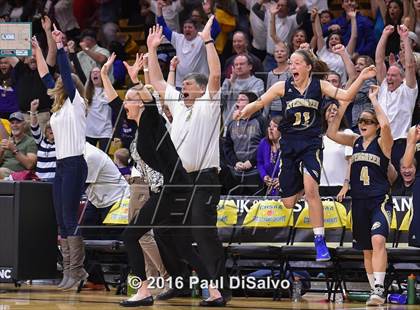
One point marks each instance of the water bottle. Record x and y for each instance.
(205, 293)
(411, 289)
(297, 291)
(195, 290)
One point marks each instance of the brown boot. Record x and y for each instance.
(77, 257)
(65, 252)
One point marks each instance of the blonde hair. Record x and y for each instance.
(59, 94)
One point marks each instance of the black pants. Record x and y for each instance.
(206, 196)
(398, 150)
(166, 208)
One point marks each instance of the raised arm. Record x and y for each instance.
(40, 60)
(333, 128)
(156, 78)
(110, 92)
(146, 68)
(410, 62)
(277, 90)
(348, 94)
(273, 31)
(386, 140)
(63, 64)
(161, 21)
(257, 9)
(35, 129)
(380, 53)
(348, 63)
(351, 46)
(172, 71)
(410, 150)
(71, 45)
(52, 48)
(212, 59)
(316, 27)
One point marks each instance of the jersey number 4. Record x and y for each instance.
(298, 119)
(364, 176)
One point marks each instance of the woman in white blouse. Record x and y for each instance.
(335, 170)
(99, 117)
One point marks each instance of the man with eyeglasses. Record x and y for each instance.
(398, 91)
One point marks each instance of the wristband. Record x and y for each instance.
(33, 113)
(145, 70)
(209, 41)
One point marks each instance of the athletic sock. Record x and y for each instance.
(379, 278)
(371, 279)
(319, 231)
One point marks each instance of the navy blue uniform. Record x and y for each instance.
(414, 231)
(371, 203)
(301, 142)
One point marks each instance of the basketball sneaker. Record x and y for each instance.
(377, 296)
(322, 253)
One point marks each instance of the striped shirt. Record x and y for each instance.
(45, 166)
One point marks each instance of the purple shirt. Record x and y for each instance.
(268, 164)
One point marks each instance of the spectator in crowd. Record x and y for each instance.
(361, 101)
(68, 122)
(412, 157)
(99, 117)
(325, 17)
(8, 99)
(258, 30)
(19, 152)
(398, 91)
(5, 8)
(105, 185)
(240, 148)
(199, 18)
(335, 172)
(170, 11)
(241, 79)
(390, 12)
(196, 121)
(268, 158)
(365, 43)
(404, 184)
(63, 13)
(29, 85)
(91, 55)
(285, 25)
(121, 159)
(415, 23)
(46, 163)
(154, 265)
(327, 50)
(240, 47)
(17, 11)
(190, 49)
(280, 73)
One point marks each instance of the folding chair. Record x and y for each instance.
(263, 232)
(403, 260)
(303, 257)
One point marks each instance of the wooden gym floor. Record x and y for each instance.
(47, 297)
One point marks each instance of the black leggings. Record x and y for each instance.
(161, 210)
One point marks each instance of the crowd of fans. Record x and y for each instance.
(254, 55)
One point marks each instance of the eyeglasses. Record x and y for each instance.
(367, 121)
